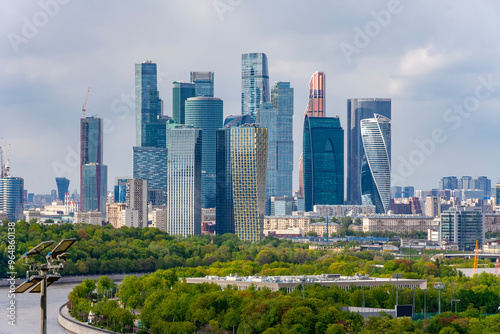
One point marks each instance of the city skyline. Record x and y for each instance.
(425, 76)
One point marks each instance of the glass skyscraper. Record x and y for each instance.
(282, 100)
(184, 181)
(463, 226)
(357, 110)
(121, 190)
(181, 91)
(254, 82)
(323, 161)
(93, 173)
(62, 187)
(376, 167)
(147, 104)
(12, 197)
(150, 163)
(316, 107)
(203, 83)
(241, 181)
(206, 113)
(267, 117)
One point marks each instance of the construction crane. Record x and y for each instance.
(476, 257)
(84, 108)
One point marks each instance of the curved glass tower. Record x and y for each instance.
(376, 164)
(323, 161)
(206, 113)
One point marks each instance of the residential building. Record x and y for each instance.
(432, 206)
(254, 83)
(137, 199)
(130, 218)
(12, 197)
(241, 181)
(114, 213)
(88, 217)
(282, 101)
(398, 224)
(491, 222)
(206, 114)
(357, 110)
(184, 181)
(181, 91)
(323, 161)
(344, 210)
(203, 83)
(159, 218)
(62, 187)
(464, 226)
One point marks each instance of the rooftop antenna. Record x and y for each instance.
(84, 108)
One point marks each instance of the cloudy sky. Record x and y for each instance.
(437, 60)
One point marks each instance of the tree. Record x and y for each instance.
(104, 283)
(311, 234)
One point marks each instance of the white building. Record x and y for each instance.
(88, 217)
(399, 224)
(130, 218)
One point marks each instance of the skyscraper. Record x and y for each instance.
(254, 82)
(150, 164)
(181, 91)
(62, 187)
(241, 181)
(184, 181)
(12, 197)
(448, 183)
(120, 191)
(267, 117)
(137, 199)
(323, 161)
(206, 113)
(376, 167)
(147, 104)
(203, 83)
(282, 100)
(357, 110)
(316, 107)
(93, 173)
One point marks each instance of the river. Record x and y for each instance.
(28, 310)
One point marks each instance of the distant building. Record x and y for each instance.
(344, 210)
(181, 91)
(184, 181)
(287, 225)
(398, 224)
(130, 218)
(12, 197)
(114, 213)
(150, 163)
(432, 206)
(406, 206)
(203, 83)
(62, 187)
(254, 83)
(464, 226)
(88, 217)
(448, 183)
(160, 218)
(120, 190)
(137, 199)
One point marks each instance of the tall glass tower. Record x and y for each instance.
(184, 181)
(357, 110)
(267, 117)
(376, 167)
(316, 107)
(181, 91)
(206, 113)
(254, 82)
(282, 100)
(203, 83)
(147, 104)
(11, 197)
(62, 187)
(323, 161)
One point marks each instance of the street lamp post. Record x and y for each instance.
(439, 287)
(451, 298)
(425, 301)
(397, 276)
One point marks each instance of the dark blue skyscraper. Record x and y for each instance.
(357, 110)
(206, 113)
(147, 104)
(203, 83)
(282, 100)
(254, 82)
(323, 161)
(150, 163)
(181, 91)
(12, 197)
(62, 187)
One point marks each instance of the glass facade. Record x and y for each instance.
(203, 83)
(224, 209)
(184, 181)
(12, 197)
(463, 225)
(376, 165)
(150, 163)
(317, 101)
(62, 187)
(206, 113)
(282, 100)
(147, 104)
(323, 161)
(254, 82)
(121, 190)
(181, 91)
(358, 109)
(267, 117)
(237, 120)
(90, 140)
(94, 188)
